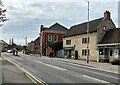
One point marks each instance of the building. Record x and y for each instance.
(49, 35)
(34, 46)
(109, 46)
(37, 45)
(76, 39)
(3, 46)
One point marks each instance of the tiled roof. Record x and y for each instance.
(37, 41)
(111, 36)
(56, 27)
(2, 42)
(82, 28)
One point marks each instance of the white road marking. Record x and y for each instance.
(102, 81)
(53, 66)
(87, 66)
(92, 71)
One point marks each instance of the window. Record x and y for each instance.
(111, 52)
(119, 52)
(104, 28)
(55, 38)
(68, 42)
(84, 52)
(84, 40)
(49, 37)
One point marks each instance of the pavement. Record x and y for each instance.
(12, 75)
(53, 70)
(97, 65)
(101, 66)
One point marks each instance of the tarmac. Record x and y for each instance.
(96, 65)
(12, 75)
(108, 67)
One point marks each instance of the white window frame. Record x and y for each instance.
(49, 37)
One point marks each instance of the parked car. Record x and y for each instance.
(9, 51)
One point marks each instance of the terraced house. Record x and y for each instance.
(76, 39)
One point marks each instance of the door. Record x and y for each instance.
(76, 54)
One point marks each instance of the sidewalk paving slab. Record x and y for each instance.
(101, 66)
(13, 75)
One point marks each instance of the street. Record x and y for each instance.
(52, 71)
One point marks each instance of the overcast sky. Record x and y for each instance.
(26, 16)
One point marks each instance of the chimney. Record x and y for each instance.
(106, 15)
(41, 29)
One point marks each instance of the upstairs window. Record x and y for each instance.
(55, 38)
(49, 37)
(68, 42)
(104, 28)
(84, 40)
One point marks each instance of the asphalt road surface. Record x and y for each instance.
(55, 72)
(12, 75)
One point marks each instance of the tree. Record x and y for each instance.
(2, 14)
(56, 46)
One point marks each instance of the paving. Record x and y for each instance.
(53, 70)
(98, 65)
(13, 75)
(102, 66)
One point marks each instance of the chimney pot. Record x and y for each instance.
(106, 15)
(41, 28)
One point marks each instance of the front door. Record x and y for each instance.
(76, 54)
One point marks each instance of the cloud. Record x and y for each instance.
(26, 16)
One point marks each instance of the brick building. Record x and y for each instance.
(49, 35)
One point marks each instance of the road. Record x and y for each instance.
(52, 71)
(12, 75)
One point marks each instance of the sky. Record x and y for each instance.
(26, 16)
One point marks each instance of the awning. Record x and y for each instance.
(68, 48)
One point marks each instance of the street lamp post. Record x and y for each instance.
(88, 33)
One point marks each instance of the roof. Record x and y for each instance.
(82, 28)
(56, 27)
(37, 41)
(2, 42)
(111, 36)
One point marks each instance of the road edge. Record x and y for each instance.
(92, 67)
(31, 75)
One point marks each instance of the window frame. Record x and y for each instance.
(68, 42)
(49, 38)
(56, 38)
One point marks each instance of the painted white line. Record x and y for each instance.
(89, 67)
(49, 65)
(102, 81)
(92, 71)
(100, 74)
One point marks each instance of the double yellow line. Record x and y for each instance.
(35, 78)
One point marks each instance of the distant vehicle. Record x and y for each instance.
(9, 51)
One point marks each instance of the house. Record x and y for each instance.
(34, 46)
(37, 46)
(109, 46)
(76, 39)
(49, 35)
(3, 46)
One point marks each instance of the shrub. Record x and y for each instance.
(115, 61)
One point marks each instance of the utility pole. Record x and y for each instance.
(26, 41)
(88, 33)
